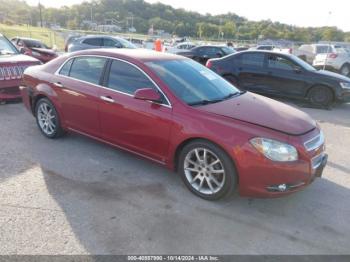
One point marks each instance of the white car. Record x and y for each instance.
(336, 59)
(179, 47)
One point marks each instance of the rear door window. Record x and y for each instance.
(252, 59)
(88, 69)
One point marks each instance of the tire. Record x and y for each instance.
(212, 177)
(345, 70)
(321, 96)
(48, 119)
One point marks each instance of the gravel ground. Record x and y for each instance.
(77, 196)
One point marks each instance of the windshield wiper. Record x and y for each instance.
(206, 102)
(5, 52)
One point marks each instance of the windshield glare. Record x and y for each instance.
(191, 82)
(6, 47)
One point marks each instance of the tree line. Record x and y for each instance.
(143, 15)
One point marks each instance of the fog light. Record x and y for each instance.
(282, 187)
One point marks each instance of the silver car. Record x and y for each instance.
(99, 41)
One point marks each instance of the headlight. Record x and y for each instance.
(345, 85)
(275, 150)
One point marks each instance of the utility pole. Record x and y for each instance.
(41, 17)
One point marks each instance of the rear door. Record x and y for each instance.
(140, 126)
(77, 85)
(251, 72)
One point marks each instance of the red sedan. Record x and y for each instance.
(178, 113)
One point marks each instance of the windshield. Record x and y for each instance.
(6, 47)
(193, 83)
(126, 44)
(303, 64)
(34, 44)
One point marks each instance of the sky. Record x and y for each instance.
(294, 12)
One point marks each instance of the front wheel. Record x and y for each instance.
(321, 96)
(207, 170)
(47, 119)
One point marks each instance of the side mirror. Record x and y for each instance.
(148, 94)
(219, 54)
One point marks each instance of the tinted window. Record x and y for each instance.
(278, 62)
(88, 69)
(126, 78)
(191, 82)
(252, 59)
(93, 41)
(66, 68)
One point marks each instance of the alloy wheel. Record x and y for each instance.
(204, 171)
(46, 119)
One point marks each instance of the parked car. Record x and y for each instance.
(180, 47)
(201, 54)
(263, 47)
(12, 65)
(34, 48)
(178, 113)
(99, 41)
(308, 52)
(282, 75)
(69, 40)
(337, 60)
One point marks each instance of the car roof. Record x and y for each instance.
(140, 55)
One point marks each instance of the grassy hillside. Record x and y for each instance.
(47, 36)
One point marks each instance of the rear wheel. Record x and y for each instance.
(47, 119)
(345, 70)
(207, 170)
(321, 96)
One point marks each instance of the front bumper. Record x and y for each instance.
(262, 178)
(10, 93)
(344, 96)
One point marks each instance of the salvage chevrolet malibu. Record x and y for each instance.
(176, 112)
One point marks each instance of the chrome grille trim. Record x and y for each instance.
(12, 72)
(315, 142)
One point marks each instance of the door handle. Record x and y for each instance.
(58, 84)
(107, 99)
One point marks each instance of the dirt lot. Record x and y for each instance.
(77, 196)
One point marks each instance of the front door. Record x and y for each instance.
(137, 125)
(284, 77)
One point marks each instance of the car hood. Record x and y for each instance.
(44, 51)
(333, 75)
(18, 58)
(265, 112)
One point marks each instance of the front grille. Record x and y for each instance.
(315, 142)
(12, 72)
